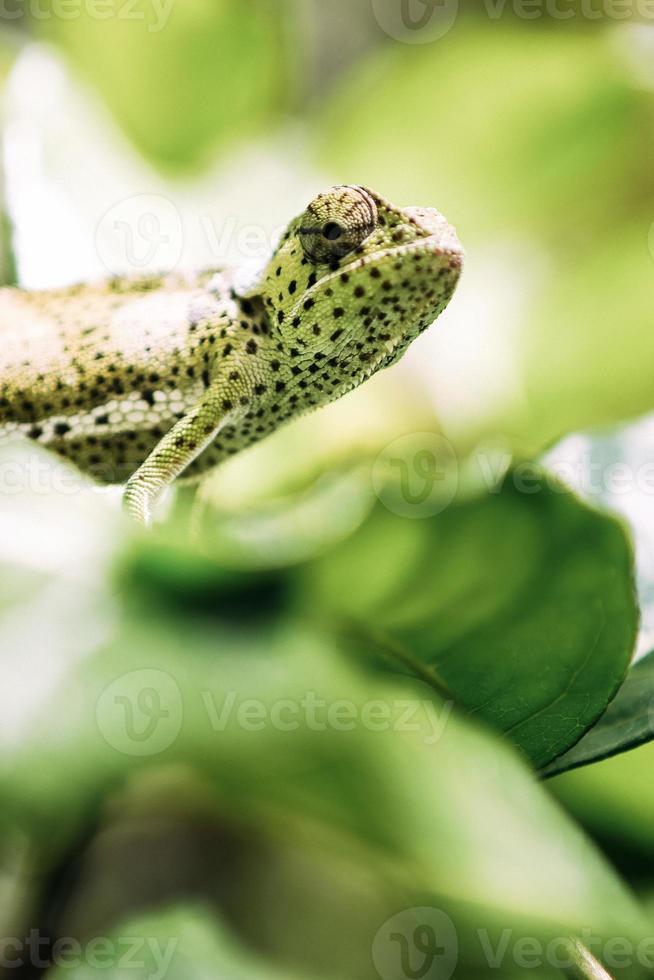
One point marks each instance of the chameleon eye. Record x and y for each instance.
(336, 223)
(332, 232)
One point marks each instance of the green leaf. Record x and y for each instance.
(627, 722)
(180, 943)
(183, 79)
(522, 602)
(349, 775)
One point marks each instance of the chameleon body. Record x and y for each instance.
(144, 380)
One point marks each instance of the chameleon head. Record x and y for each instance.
(354, 280)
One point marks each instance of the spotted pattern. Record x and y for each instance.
(167, 376)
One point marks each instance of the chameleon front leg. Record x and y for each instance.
(177, 450)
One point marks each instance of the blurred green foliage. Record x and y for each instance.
(541, 137)
(183, 79)
(132, 805)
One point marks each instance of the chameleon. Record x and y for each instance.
(141, 380)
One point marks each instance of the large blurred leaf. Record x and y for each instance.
(180, 943)
(183, 79)
(626, 723)
(404, 802)
(523, 602)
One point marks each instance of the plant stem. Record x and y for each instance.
(585, 966)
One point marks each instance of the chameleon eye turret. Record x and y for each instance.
(146, 380)
(336, 223)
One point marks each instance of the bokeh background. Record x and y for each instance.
(164, 133)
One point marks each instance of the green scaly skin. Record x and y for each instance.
(146, 380)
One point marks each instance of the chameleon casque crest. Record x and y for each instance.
(144, 380)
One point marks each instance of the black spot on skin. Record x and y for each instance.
(336, 334)
(227, 405)
(292, 286)
(206, 380)
(280, 316)
(313, 279)
(260, 389)
(375, 273)
(280, 385)
(316, 330)
(148, 396)
(102, 420)
(35, 432)
(251, 347)
(61, 428)
(308, 303)
(338, 312)
(274, 365)
(359, 292)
